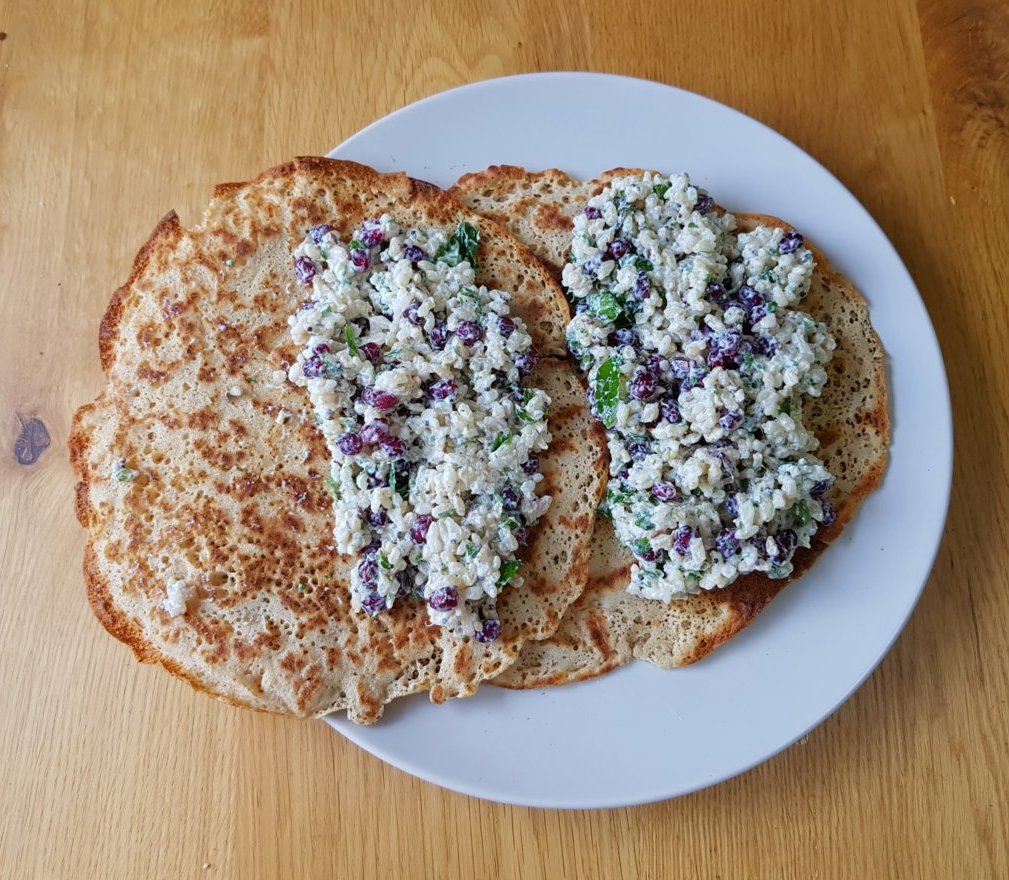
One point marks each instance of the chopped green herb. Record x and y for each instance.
(508, 572)
(605, 305)
(383, 560)
(661, 189)
(334, 488)
(786, 406)
(522, 414)
(625, 319)
(801, 513)
(641, 546)
(644, 522)
(510, 523)
(642, 265)
(604, 511)
(615, 496)
(351, 334)
(471, 551)
(501, 441)
(357, 245)
(607, 389)
(461, 246)
(772, 307)
(445, 514)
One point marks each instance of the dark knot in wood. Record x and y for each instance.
(32, 442)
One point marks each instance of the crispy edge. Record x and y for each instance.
(497, 175)
(168, 228)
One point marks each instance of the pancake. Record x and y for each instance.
(607, 627)
(196, 464)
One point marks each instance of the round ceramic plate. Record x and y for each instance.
(643, 734)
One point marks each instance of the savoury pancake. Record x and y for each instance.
(607, 626)
(197, 465)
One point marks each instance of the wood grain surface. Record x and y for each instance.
(114, 112)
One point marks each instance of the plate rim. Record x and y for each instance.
(466, 786)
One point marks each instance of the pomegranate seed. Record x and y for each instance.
(304, 270)
(371, 234)
(360, 260)
(313, 367)
(681, 542)
(444, 599)
(318, 233)
(349, 443)
(790, 243)
(379, 399)
(665, 491)
(372, 352)
(444, 389)
(469, 332)
(489, 632)
(375, 432)
(373, 604)
(392, 446)
(420, 527)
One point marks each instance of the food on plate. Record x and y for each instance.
(698, 363)
(417, 376)
(206, 477)
(721, 353)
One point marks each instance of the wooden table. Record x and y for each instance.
(114, 112)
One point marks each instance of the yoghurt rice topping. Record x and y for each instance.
(698, 360)
(417, 377)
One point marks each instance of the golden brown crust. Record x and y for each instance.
(167, 228)
(231, 500)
